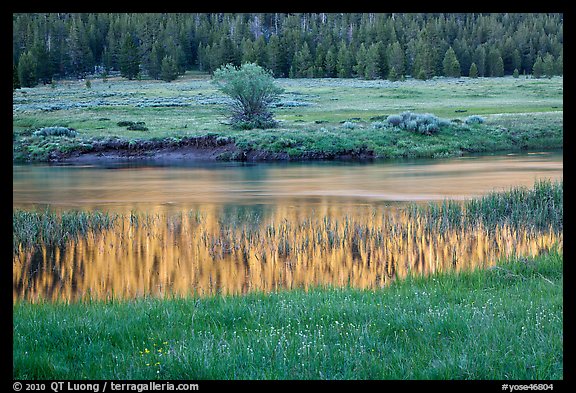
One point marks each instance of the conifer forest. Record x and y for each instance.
(48, 46)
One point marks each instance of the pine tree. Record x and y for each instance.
(106, 60)
(516, 74)
(479, 59)
(75, 43)
(424, 61)
(516, 60)
(507, 52)
(361, 58)
(330, 63)
(201, 58)
(227, 52)
(80, 59)
(155, 61)
(177, 53)
(260, 51)
(112, 47)
(549, 65)
(559, 67)
(344, 61)
(43, 71)
(169, 69)
(382, 55)
(396, 58)
(319, 61)
(473, 73)
(538, 68)
(248, 52)
(494, 63)
(450, 64)
(498, 69)
(15, 80)
(27, 70)
(421, 74)
(276, 55)
(129, 58)
(376, 63)
(302, 64)
(373, 66)
(393, 75)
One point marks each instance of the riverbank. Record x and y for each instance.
(501, 323)
(542, 132)
(319, 119)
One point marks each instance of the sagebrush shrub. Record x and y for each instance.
(379, 124)
(349, 125)
(56, 131)
(424, 123)
(474, 119)
(394, 120)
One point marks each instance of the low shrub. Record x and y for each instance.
(349, 125)
(133, 126)
(139, 126)
(379, 118)
(241, 121)
(56, 131)
(379, 124)
(424, 123)
(394, 120)
(474, 119)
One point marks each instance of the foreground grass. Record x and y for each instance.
(501, 323)
(325, 118)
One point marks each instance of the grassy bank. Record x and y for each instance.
(502, 323)
(319, 118)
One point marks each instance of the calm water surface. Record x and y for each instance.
(235, 228)
(123, 187)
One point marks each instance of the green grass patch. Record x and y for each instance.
(501, 323)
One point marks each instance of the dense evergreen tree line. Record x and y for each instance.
(369, 45)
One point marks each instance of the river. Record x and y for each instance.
(231, 228)
(125, 186)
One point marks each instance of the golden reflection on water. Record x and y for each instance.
(202, 251)
(176, 188)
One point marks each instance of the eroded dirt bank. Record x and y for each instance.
(202, 148)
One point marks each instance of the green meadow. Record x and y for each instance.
(324, 118)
